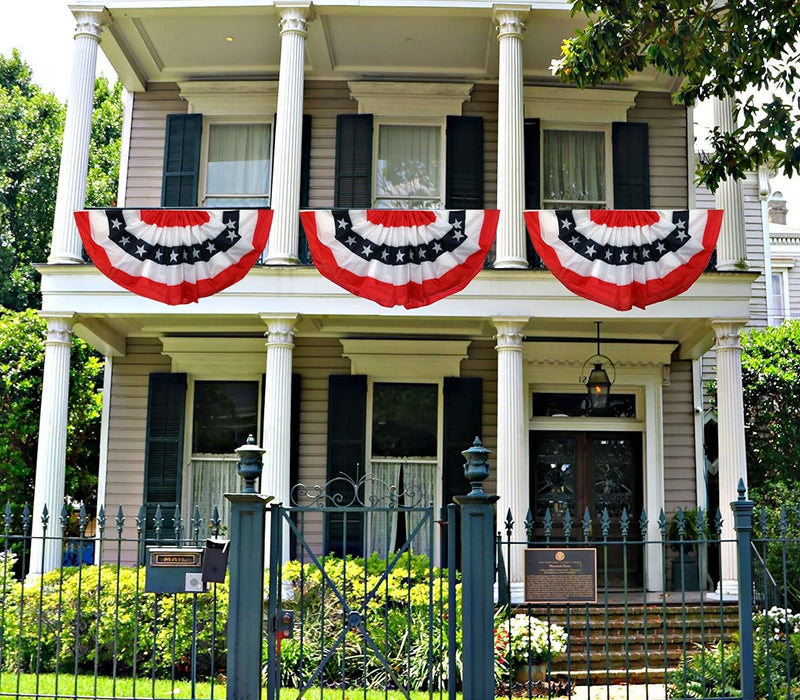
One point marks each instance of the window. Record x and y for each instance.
(575, 169)
(778, 296)
(403, 461)
(238, 165)
(409, 167)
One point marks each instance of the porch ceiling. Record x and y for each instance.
(152, 42)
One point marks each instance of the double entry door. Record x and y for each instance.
(602, 471)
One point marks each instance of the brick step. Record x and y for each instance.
(637, 642)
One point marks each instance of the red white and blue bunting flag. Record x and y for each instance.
(400, 257)
(174, 256)
(625, 258)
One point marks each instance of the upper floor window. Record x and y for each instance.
(575, 169)
(238, 165)
(409, 167)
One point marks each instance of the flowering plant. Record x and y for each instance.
(525, 639)
(775, 624)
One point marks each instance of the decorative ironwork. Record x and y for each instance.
(366, 492)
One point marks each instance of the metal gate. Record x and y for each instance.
(340, 619)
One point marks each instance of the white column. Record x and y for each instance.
(278, 413)
(731, 248)
(512, 441)
(510, 140)
(66, 245)
(732, 456)
(52, 449)
(285, 200)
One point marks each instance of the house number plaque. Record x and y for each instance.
(561, 575)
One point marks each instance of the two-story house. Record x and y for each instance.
(340, 105)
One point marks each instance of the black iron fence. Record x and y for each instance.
(628, 602)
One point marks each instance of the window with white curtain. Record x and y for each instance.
(574, 169)
(409, 167)
(238, 165)
(403, 465)
(778, 296)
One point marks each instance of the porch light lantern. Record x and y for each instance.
(598, 384)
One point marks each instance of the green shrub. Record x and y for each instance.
(101, 618)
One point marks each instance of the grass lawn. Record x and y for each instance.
(163, 689)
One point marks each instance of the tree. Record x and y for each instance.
(721, 49)
(31, 128)
(770, 376)
(21, 368)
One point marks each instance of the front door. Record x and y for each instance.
(573, 471)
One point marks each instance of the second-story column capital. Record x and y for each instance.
(280, 329)
(510, 19)
(295, 16)
(89, 21)
(509, 332)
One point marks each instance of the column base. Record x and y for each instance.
(64, 259)
(726, 590)
(511, 264)
(517, 593)
(281, 260)
(732, 266)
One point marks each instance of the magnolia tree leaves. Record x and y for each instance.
(720, 49)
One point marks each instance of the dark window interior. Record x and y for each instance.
(404, 420)
(551, 404)
(225, 413)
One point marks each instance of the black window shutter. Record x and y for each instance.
(631, 158)
(533, 183)
(181, 160)
(353, 171)
(163, 461)
(463, 415)
(464, 169)
(347, 416)
(305, 161)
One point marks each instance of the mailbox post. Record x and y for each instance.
(248, 512)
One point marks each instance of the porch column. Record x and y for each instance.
(51, 454)
(732, 456)
(66, 244)
(731, 248)
(512, 441)
(510, 139)
(278, 412)
(285, 201)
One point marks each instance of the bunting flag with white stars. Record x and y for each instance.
(174, 256)
(400, 257)
(625, 258)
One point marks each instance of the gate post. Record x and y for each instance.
(248, 511)
(477, 570)
(743, 523)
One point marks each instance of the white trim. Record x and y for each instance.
(590, 106)
(236, 359)
(700, 480)
(414, 361)
(102, 460)
(125, 147)
(245, 98)
(412, 99)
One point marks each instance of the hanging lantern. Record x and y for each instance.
(598, 384)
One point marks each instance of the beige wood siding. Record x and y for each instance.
(668, 150)
(679, 456)
(126, 439)
(146, 156)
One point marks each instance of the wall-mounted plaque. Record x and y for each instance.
(561, 575)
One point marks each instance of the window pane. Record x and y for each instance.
(574, 169)
(408, 167)
(404, 420)
(238, 164)
(225, 413)
(777, 296)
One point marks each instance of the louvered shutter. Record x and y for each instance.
(166, 406)
(181, 160)
(631, 159)
(463, 415)
(347, 416)
(533, 181)
(353, 170)
(464, 168)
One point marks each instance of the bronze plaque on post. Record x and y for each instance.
(561, 575)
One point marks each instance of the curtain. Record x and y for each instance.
(211, 477)
(574, 168)
(419, 491)
(238, 164)
(409, 167)
(385, 475)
